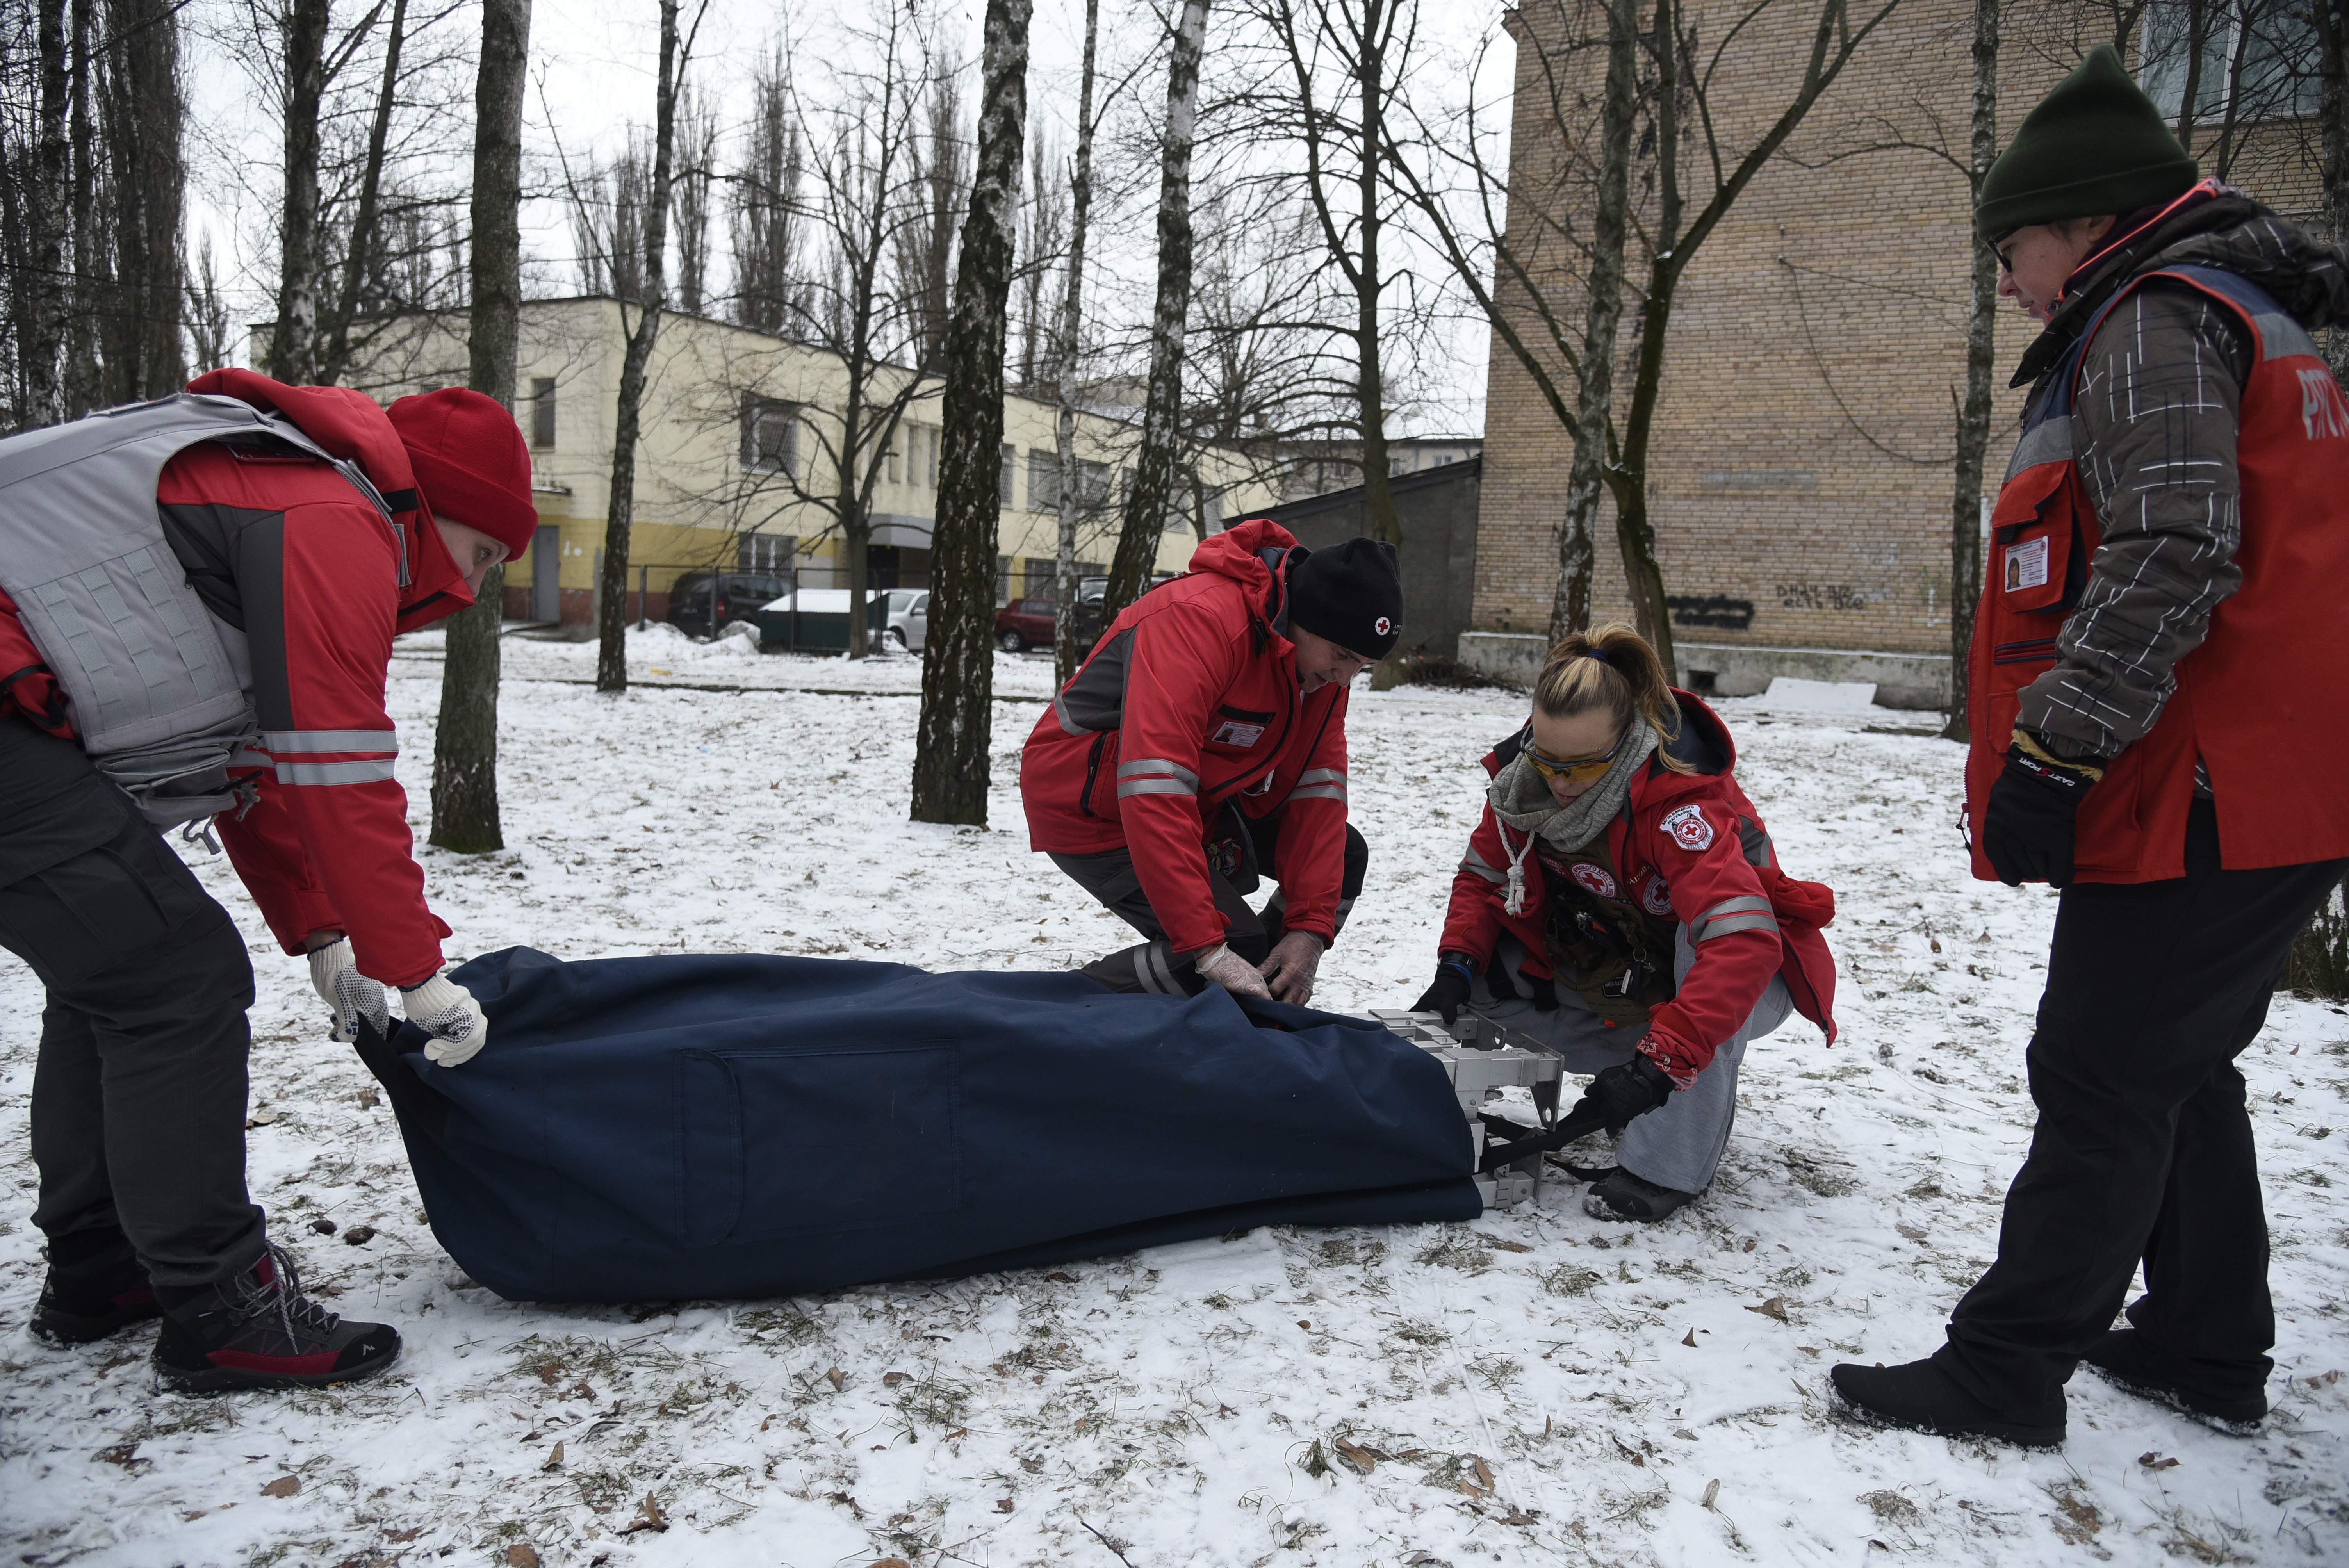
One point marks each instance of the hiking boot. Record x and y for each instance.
(256, 1330)
(1922, 1397)
(96, 1286)
(1620, 1195)
(2130, 1364)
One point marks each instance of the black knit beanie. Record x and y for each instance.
(1350, 593)
(2094, 145)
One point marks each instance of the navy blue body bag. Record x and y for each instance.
(656, 1128)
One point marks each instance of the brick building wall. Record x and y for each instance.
(1800, 478)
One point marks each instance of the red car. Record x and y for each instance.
(1024, 623)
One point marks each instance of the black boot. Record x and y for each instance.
(1921, 1397)
(2129, 1363)
(96, 1286)
(1620, 1195)
(256, 1330)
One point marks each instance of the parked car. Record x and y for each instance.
(738, 596)
(903, 616)
(1025, 624)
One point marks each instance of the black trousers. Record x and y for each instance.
(1151, 964)
(139, 1095)
(2143, 1148)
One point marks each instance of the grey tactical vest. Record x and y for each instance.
(157, 687)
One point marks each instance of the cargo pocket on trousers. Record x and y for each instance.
(74, 919)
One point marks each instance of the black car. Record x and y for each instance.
(738, 596)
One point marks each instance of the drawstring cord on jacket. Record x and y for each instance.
(1515, 902)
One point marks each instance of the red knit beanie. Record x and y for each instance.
(470, 462)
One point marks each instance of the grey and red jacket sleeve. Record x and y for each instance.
(1473, 921)
(1718, 897)
(1182, 663)
(1311, 858)
(326, 844)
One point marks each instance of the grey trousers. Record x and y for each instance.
(1678, 1146)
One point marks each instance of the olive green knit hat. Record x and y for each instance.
(2094, 145)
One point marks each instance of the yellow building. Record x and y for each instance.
(735, 466)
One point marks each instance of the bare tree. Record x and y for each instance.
(696, 135)
(141, 319)
(926, 241)
(305, 26)
(766, 196)
(46, 221)
(1594, 406)
(1152, 493)
(208, 321)
(1044, 230)
(952, 741)
(866, 198)
(1066, 348)
(465, 815)
(611, 610)
(1974, 413)
(358, 253)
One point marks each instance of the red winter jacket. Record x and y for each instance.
(1190, 700)
(284, 548)
(1693, 847)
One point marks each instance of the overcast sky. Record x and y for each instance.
(593, 72)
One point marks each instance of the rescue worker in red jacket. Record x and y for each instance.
(1203, 745)
(2159, 676)
(283, 534)
(1621, 900)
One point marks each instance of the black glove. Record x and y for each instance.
(2028, 825)
(1631, 1088)
(1544, 990)
(1448, 994)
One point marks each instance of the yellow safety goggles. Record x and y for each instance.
(1573, 769)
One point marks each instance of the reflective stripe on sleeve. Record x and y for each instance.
(1061, 711)
(1319, 792)
(372, 770)
(1155, 787)
(1142, 766)
(284, 742)
(1747, 912)
(1472, 861)
(1323, 776)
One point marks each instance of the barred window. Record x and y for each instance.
(1006, 474)
(541, 411)
(771, 435)
(1043, 480)
(771, 553)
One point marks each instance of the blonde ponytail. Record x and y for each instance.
(1613, 669)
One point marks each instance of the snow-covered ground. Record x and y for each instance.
(1536, 1387)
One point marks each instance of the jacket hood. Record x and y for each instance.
(352, 426)
(2212, 225)
(1235, 553)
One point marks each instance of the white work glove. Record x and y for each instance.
(1290, 966)
(446, 1011)
(1229, 970)
(334, 973)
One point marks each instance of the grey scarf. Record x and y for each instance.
(1520, 797)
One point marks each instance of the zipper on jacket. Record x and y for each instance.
(1092, 772)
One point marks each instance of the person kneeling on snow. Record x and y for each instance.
(1205, 738)
(198, 597)
(1620, 902)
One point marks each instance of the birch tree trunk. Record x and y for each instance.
(1973, 416)
(38, 355)
(291, 340)
(612, 593)
(950, 745)
(81, 390)
(361, 247)
(465, 815)
(1593, 407)
(1066, 654)
(1154, 466)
